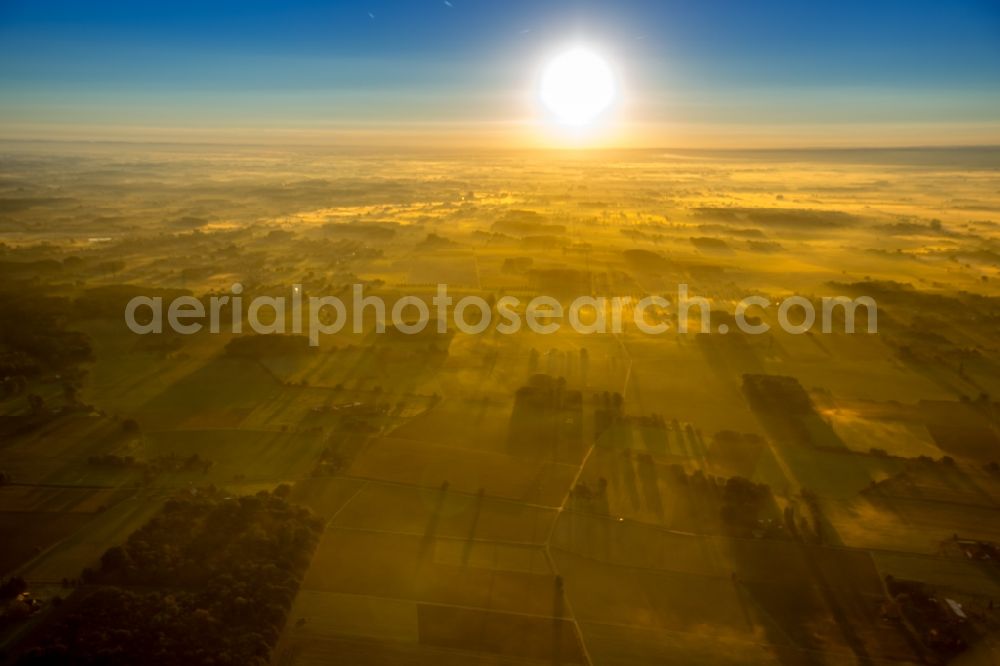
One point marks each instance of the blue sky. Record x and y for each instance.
(733, 69)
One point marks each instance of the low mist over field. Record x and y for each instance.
(486, 498)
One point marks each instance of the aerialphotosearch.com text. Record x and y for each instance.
(316, 316)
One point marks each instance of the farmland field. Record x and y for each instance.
(597, 498)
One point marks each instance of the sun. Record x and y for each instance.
(577, 87)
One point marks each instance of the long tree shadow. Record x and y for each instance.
(787, 412)
(558, 623)
(649, 479)
(470, 540)
(427, 540)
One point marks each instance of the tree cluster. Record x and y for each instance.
(34, 335)
(743, 501)
(209, 580)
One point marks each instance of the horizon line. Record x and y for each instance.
(495, 148)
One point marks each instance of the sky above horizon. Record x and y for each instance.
(690, 73)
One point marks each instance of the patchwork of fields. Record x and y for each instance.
(695, 498)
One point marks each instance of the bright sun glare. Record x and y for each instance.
(577, 86)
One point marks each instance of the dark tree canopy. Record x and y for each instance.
(209, 580)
